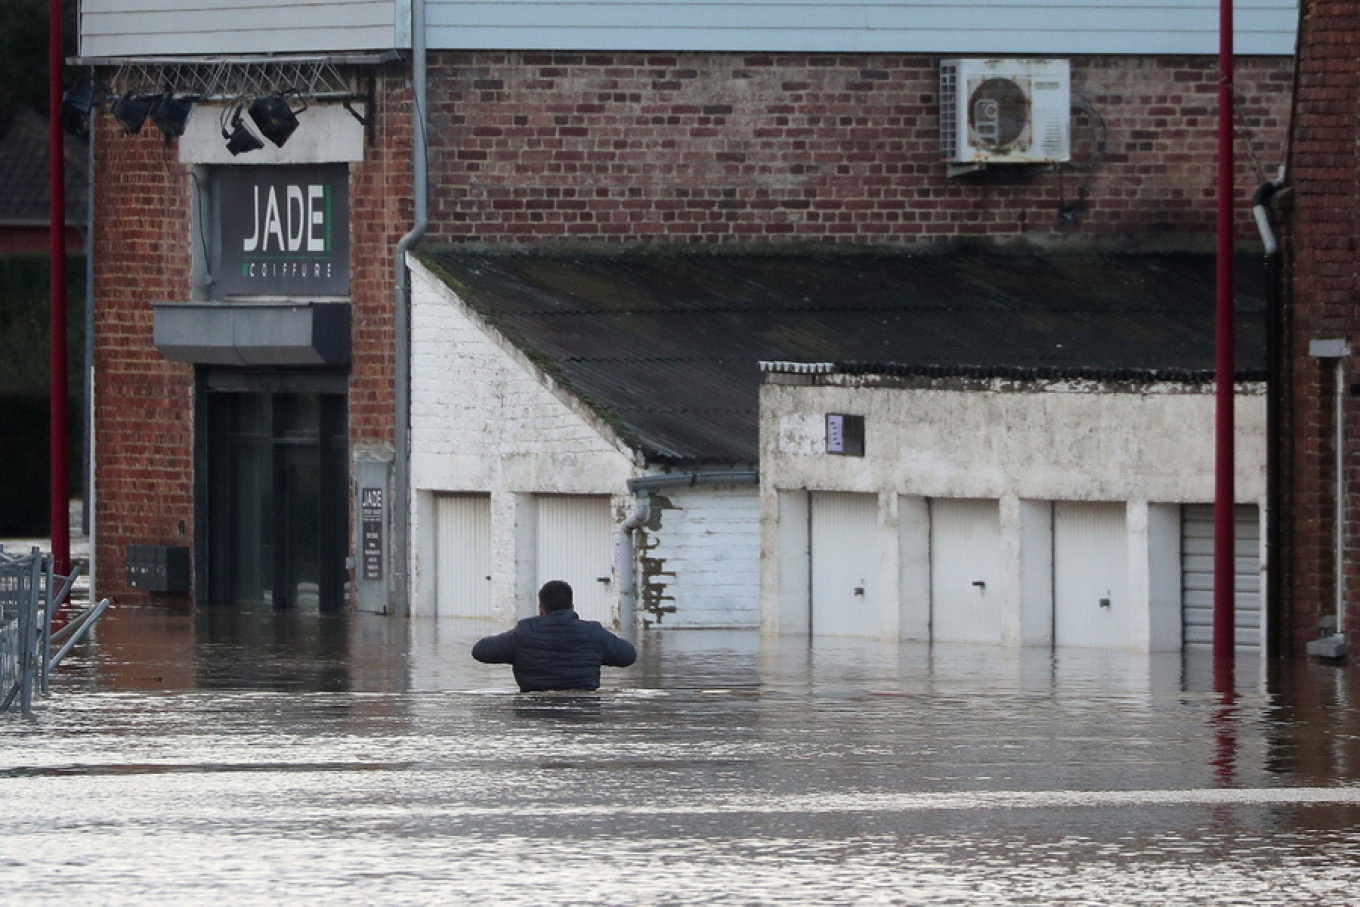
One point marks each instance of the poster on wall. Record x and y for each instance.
(281, 231)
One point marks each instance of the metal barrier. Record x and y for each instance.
(30, 593)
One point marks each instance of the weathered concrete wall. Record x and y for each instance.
(1069, 442)
(1147, 449)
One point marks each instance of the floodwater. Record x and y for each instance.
(237, 758)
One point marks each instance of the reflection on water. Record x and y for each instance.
(221, 756)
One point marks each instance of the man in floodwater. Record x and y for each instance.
(556, 650)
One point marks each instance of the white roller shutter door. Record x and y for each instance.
(463, 555)
(1197, 572)
(844, 536)
(575, 542)
(965, 570)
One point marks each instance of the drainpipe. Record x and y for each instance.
(1274, 605)
(642, 488)
(401, 471)
(623, 559)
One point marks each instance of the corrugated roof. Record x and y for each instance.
(667, 345)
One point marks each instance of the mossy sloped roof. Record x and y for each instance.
(666, 346)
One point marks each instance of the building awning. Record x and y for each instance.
(254, 334)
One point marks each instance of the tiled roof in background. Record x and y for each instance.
(24, 174)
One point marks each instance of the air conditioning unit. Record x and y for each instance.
(1005, 111)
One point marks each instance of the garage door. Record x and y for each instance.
(844, 533)
(575, 542)
(1090, 575)
(463, 555)
(1197, 572)
(965, 570)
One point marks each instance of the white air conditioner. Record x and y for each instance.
(1005, 111)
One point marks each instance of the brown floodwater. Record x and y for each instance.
(232, 757)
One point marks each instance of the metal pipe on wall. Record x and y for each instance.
(1274, 585)
(1339, 530)
(401, 469)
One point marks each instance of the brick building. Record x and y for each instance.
(668, 126)
(1321, 578)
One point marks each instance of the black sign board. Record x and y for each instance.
(371, 533)
(282, 231)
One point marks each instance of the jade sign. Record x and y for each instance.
(282, 231)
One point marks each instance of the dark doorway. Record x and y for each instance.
(276, 496)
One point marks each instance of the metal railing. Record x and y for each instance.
(31, 591)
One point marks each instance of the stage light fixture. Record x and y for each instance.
(240, 139)
(171, 114)
(274, 117)
(131, 111)
(76, 104)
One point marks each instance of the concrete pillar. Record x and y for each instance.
(913, 567)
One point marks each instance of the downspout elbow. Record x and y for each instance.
(1260, 211)
(623, 561)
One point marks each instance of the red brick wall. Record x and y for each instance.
(733, 148)
(143, 427)
(144, 403)
(1322, 229)
(380, 214)
(643, 148)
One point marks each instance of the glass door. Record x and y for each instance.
(277, 499)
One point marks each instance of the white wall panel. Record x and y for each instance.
(702, 557)
(992, 27)
(891, 26)
(160, 28)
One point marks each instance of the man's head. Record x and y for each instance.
(554, 596)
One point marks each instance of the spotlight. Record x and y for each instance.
(76, 104)
(240, 139)
(171, 114)
(131, 111)
(274, 118)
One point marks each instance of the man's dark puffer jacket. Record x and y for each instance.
(556, 651)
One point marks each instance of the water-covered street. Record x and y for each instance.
(224, 757)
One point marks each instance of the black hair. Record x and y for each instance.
(554, 596)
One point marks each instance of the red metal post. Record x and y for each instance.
(60, 492)
(1224, 423)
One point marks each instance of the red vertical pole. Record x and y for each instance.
(60, 492)
(1224, 423)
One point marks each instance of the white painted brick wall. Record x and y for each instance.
(486, 419)
(707, 553)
